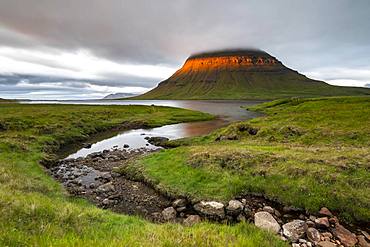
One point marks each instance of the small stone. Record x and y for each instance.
(248, 212)
(234, 207)
(169, 213)
(326, 244)
(295, 245)
(325, 212)
(277, 213)
(362, 241)
(322, 222)
(106, 201)
(191, 220)
(181, 209)
(310, 223)
(313, 235)
(346, 237)
(266, 221)
(179, 203)
(210, 209)
(268, 209)
(294, 229)
(105, 187)
(327, 235)
(241, 218)
(126, 146)
(333, 220)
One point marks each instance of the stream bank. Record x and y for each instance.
(95, 179)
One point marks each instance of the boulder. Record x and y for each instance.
(322, 222)
(169, 213)
(191, 220)
(313, 235)
(294, 230)
(325, 212)
(346, 237)
(210, 209)
(266, 221)
(234, 207)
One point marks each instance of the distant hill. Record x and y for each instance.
(241, 74)
(119, 95)
(367, 85)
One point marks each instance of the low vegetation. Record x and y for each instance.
(304, 152)
(36, 211)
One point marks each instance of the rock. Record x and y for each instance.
(234, 207)
(192, 219)
(346, 237)
(126, 146)
(362, 241)
(87, 145)
(157, 140)
(310, 223)
(106, 175)
(367, 236)
(106, 201)
(295, 245)
(105, 188)
(322, 222)
(248, 212)
(179, 203)
(326, 244)
(294, 230)
(266, 221)
(313, 235)
(268, 209)
(333, 220)
(169, 213)
(289, 209)
(210, 209)
(181, 209)
(325, 212)
(241, 218)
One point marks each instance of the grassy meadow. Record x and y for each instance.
(307, 153)
(35, 210)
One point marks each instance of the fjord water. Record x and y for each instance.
(226, 110)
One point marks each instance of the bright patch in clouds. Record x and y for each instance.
(357, 77)
(87, 74)
(81, 64)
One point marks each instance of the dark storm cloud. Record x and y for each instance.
(305, 35)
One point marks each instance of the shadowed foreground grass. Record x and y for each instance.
(36, 211)
(306, 152)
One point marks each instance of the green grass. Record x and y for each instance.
(307, 153)
(36, 211)
(245, 85)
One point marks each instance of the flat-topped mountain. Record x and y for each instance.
(241, 74)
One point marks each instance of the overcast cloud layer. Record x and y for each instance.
(75, 49)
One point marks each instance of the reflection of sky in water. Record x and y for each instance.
(228, 110)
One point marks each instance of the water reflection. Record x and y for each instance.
(227, 111)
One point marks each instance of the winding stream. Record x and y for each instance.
(227, 112)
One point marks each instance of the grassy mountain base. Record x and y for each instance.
(36, 211)
(308, 153)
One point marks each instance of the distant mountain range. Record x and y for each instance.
(119, 95)
(241, 74)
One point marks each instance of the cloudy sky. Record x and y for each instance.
(77, 49)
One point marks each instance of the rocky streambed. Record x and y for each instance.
(95, 178)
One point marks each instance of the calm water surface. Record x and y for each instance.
(227, 112)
